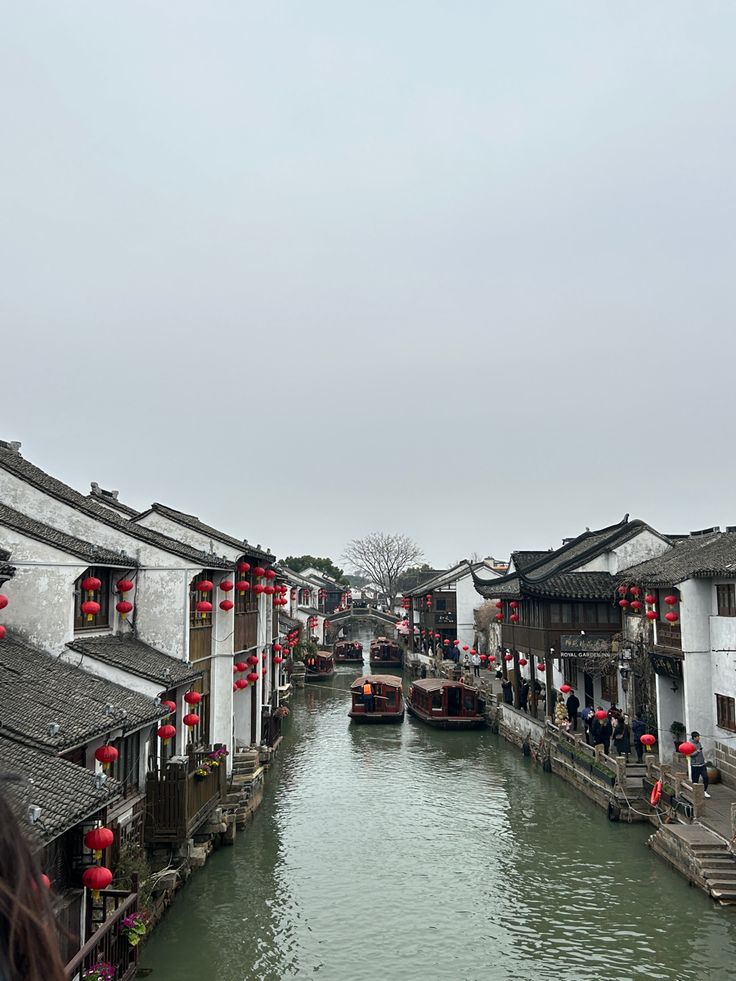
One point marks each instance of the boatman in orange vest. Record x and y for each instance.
(368, 700)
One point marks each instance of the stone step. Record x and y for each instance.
(721, 862)
(703, 849)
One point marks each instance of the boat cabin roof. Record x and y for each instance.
(436, 684)
(378, 679)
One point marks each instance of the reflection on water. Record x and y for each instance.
(404, 852)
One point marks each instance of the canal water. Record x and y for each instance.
(401, 852)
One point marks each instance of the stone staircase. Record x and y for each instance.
(717, 865)
(635, 773)
(701, 856)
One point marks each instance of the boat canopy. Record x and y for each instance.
(377, 679)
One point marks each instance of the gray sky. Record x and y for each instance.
(472, 261)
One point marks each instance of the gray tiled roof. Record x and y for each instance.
(13, 462)
(65, 792)
(287, 623)
(111, 499)
(524, 558)
(697, 557)
(37, 690)
(92, 554)
(135, 657)
(193, 522)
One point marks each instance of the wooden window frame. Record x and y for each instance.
(726, 712)
(727, 607)
(609, 686)
(199, 620)
(102, 621)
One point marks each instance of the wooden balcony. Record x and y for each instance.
(106, 943)
(179, 800)
(669, 636)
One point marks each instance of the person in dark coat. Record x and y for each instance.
(588, 717)
(622, 737)
(600, 733)
(524, 696)
(573, 704)
(508, 692)
(638, 728)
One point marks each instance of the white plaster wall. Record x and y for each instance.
(467, 601)
(670, 708)
(101, 669)
(641, 547)
(189, 536)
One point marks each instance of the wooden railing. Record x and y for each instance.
(591, 760)
(679, 794)
(179, 800)
(106, 943)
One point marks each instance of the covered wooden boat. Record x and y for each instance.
(320, 666)
(385, 653)
(384, 704)
(446, 704)
(348, 652)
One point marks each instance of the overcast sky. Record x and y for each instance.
(312, 269)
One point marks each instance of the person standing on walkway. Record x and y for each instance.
(573, 704)
(698, 768)
(638, 728)
(588, 717)
(535, 693)
(524, 696)
(476, 665)
(622, 737)
(508, 691)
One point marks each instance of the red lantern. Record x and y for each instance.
(522, 662)
(264, 670)
(635, 591)
(226, 605)
(3, 601)
(241, 666)
(671, 617)
(226, 585)
(90, 608)
(650, 598)
(491, 657)
(123, 607)
(499, 604)
(636, 605)
(258, 588)
(167, 704)
(514, 618)
(436, 636)
(259, 572)
(446, 642)
(622, 590)
(252, 677)
(623, 603)
(106, 755)
(277, 647)
(192, 697)
(652, 615)
(671, 600)
(484, 657)
(243, 567)
(566, 689)
(271, 574)
(242, 586)
(278, 659)
(190, 720)
(204, 586)
(125, 585)
(514, 604)
(203, 607)
(91, 584)
(269, 590)
(456, 643)
(686, 749)
(541, 666)
(96, 878)
(508, 657)
(98, 839)
(466, 647)
(166, 732)
(241, 683)
(499, 618)
(252, 659)
(648, 740)
(601, 714)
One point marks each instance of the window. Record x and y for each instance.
(101, 596)
(609, 686)
(554, 612)
(565, 612)
(570, 669)
(198, 618)
(726, 596)
(198, 736)
(604, 613)
(126, 766)
(726, 712)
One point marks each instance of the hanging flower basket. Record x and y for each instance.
(133, 928)
(101, 971)
(202, 772)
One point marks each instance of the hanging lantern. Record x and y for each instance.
(499, 604)
(271, 574)
(192, 697)
(96, 878)
(456, 643)
(652, 615)
(264, 670)
(491, 657)
(242, 586)
(636, 605)
(168, 704)
(252, 677)
(3, 601)
(484, 657)
(269, 590)
(259, 572)
(671, 617)
(90, 608)
(498, 618)
(650, 598)
(686, 749)
(226, 585)
(106, 755)
(277, 648)
(621, 590)
(648, 741)
(258, 588)
(240, 667)
(278, 659)
(566, 689)
(226, 605)
(252, 659)
(522, 662)
(91, 584)
(508, 657)
(243, 567)
(436, 636)
(466, 647)
(671, 600)
(166, 732)
(123, 608)
(125, 585)
(623, 603)
(446, 642)
(514, 618)
(601, 714)
(241, 683)
(2, 632)
(635, 591)
(97, 840)
(541, 666)
(204, 586)
(190, 720)
(514, 604)
(203, 607)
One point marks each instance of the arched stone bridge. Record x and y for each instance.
(357, 615)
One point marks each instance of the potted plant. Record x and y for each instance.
(678, 731)
(134, 928)
(101, 971)
(714, 774)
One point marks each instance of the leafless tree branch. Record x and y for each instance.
(382, 558)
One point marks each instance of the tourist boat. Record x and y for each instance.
(385, 653)
(388, 700)
(320, 666)
(348, 652)
(446, 704)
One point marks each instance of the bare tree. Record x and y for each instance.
(382, 558)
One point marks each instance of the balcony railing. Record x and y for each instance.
(106, 943)
(179, 799)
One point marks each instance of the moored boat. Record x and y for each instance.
(383, 703)
(320, 666)
(446, 704)
(385, 653)
(348, 652)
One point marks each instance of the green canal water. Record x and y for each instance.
(404, 852)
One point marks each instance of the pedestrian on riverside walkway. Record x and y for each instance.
(476, 665)
(573, 704)
(508, 691)
(524, 696)
(638, 727)
(698, 768)
(601, 732)
(622, 737)
(588, 715)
